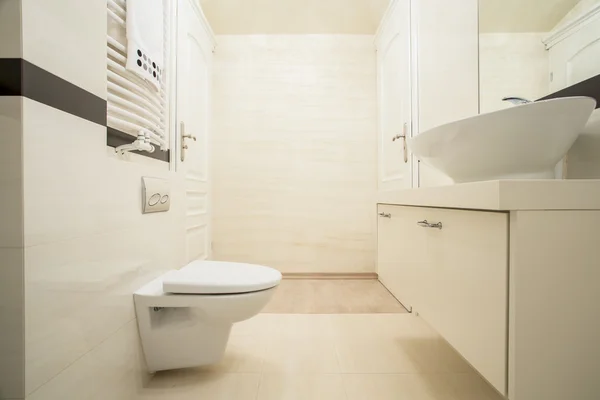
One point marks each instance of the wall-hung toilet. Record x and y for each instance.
(185, 316)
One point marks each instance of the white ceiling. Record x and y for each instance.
(522, 15)
(294, 16)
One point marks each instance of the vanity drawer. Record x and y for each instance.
(464, 288)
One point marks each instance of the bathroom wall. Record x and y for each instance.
(12, 313)
(88, 248)
(295, 151)
(83, 245)
(12, 348)
(512, 64)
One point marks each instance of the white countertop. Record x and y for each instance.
(503, 195)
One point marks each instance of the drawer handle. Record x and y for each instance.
(426, 224)
(385, 215)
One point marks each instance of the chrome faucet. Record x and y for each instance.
(516, 100)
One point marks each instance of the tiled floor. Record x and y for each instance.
(328, 357)
(332, 296)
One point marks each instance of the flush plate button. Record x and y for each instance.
(156, 195)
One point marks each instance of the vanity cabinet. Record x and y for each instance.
(451, 266)
(508, 273)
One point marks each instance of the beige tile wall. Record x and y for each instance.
(80, 28)
(295, 151)
(12, 313)
(11, 250)
(512, 64)
(87, 248)
(10, 29)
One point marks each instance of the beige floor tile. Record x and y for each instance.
(301, 387)
(243, 354)
(434, 355)
(410, 335)
(301, 325)
(418, 387)
(374, 355)
(457, 387)
(329, 357)
(301, 354)
(385, 387)
(376, 325)
(260, 324)
(191, 385)
(332, 296)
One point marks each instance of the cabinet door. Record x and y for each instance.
(194, 58)
(464, 289)
(401, 252)
(394, 98)
(575, 58)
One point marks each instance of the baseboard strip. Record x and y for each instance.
(329, 275)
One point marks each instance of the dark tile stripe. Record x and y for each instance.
(19, 77)
(10, 77)
(590, 88)
(116, 138)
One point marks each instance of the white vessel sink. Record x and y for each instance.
(521, 142)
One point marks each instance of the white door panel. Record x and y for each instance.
(193, 113)
(394, 98)
(574, 59)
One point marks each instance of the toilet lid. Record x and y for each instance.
(218, 277)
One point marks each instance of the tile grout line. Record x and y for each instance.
(260, 379)
(335, 349)
(79, 358)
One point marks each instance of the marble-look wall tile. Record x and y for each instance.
(113, 370)
(68, 39)
(79, 292)
(11, 172)
(88, 247)
(73, 188)
(10, 29)
(512, 64)
(12, 346)
(12, 349)
(295, 151)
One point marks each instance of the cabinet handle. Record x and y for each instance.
(385, 215)
(426, 224)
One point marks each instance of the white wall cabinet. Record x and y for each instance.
(513, 287)
(574, 50)
(428, 61)
(394, 97)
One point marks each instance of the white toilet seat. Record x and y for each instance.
(218, 277)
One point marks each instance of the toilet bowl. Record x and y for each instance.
(185, 316)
